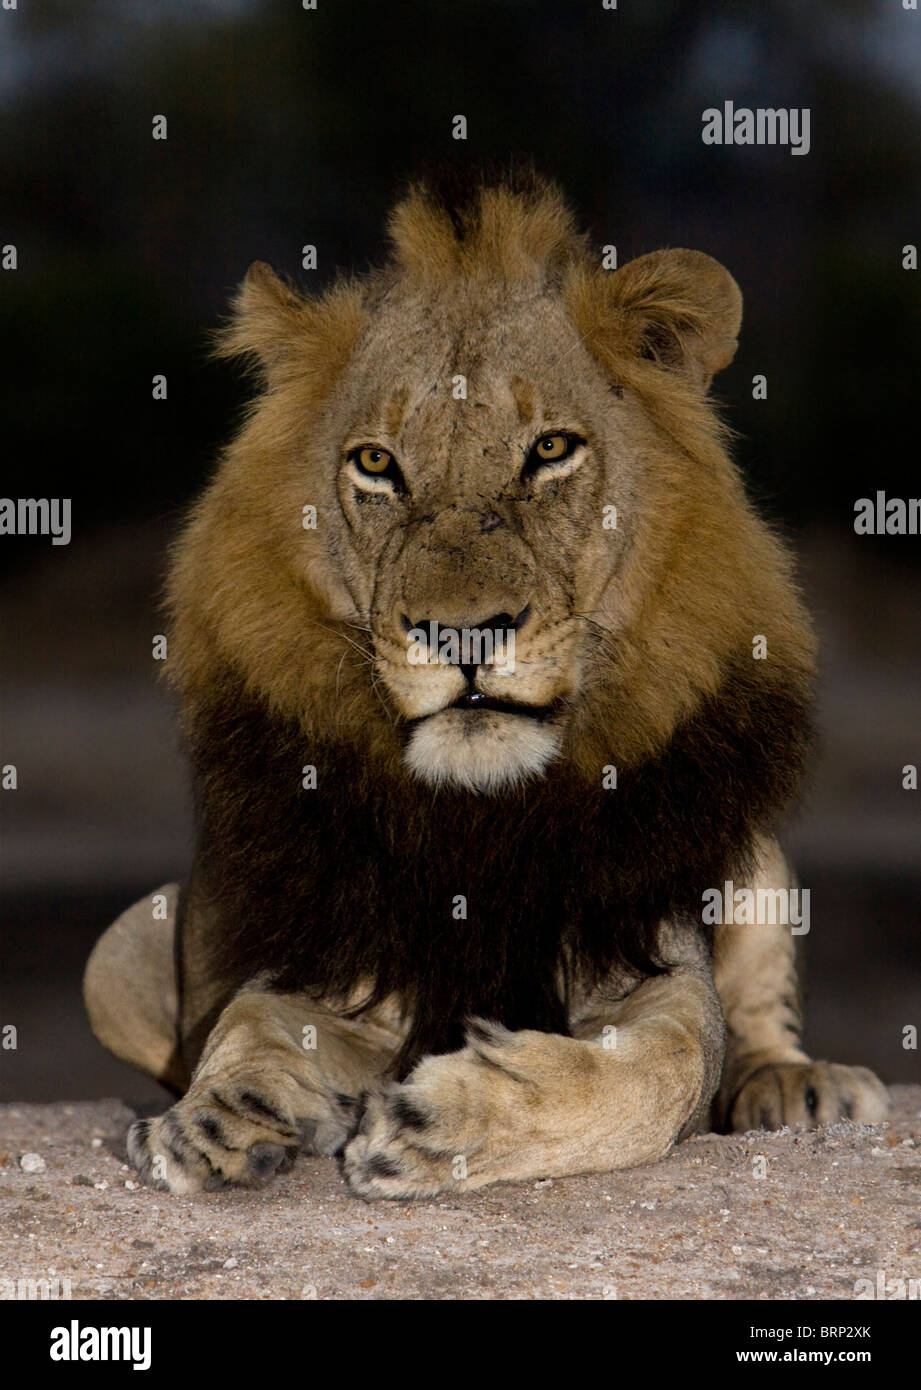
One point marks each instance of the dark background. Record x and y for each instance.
(289, 126)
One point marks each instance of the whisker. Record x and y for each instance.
(365, 655)
(339, 672)
(362, 651)
(375, 682)
(606, 637)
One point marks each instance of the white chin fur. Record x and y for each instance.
(482, 751)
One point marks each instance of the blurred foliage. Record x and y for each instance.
(289, 126)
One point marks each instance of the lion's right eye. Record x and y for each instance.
(377, 466)
(374, 460)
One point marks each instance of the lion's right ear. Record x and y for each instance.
(289, 336)
(267, 317)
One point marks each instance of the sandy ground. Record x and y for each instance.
(833, 1206)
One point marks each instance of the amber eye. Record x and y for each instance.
(376, 470)
(551, 448)
(373, 460)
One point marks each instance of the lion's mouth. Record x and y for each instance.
(475, 700)
(470, 745)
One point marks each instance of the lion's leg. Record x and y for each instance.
(636, 1076)
(769, 1081)
(129, 987)
(277, 1076)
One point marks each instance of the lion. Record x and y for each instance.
(488, 673)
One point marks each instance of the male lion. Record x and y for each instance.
(445, 912)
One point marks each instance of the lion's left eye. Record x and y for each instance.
(376, 470)
(551, 449)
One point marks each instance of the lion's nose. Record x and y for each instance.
(433, 629)
(487, 642)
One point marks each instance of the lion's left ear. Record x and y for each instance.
(679, 308)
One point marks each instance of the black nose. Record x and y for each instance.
(473, 646)
(432, 628)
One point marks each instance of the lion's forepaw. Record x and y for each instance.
(463, 1119)
(242, 1132)
(808, 1094)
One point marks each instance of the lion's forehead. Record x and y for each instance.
(436, 365)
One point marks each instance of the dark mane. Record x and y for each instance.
(356, 881)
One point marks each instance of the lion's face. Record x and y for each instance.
(529, 545)
(473, 536)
